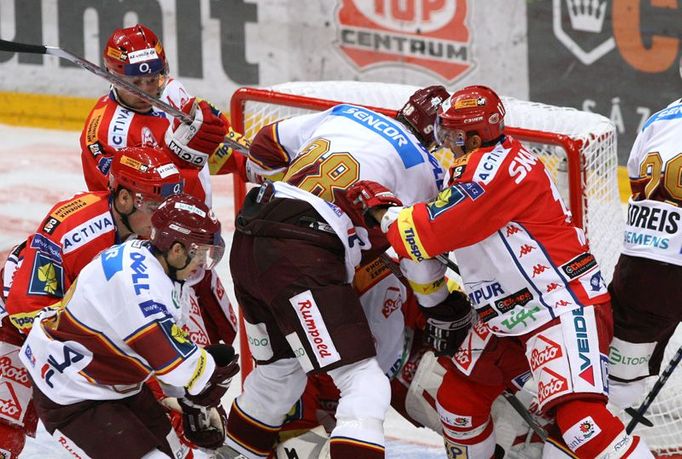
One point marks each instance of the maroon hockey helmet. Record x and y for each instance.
(185, 219)
(135, 51)
(147, 172)
(420, 111)
(474, 109)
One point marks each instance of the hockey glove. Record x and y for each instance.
(226, 368)
(447, 324)
(194, 142)
(204, 427)
(366, 195)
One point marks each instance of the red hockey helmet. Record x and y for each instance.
(134, 52)
(185, 219)
(476, 109)
(420, 111)
(148, 173)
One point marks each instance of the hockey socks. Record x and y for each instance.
(590, 430)
(246, 434)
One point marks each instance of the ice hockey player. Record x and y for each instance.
(646, 309)
(121, 118)
(116, 326)
(292, 283)
(325, 153)
(542, 302)
(39, 271)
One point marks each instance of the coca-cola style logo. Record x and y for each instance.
(427, 35)
(9, 407)
(16, 374)
(539, 357)
(549, 387)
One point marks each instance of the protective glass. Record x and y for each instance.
(206, 256)
(448, 137)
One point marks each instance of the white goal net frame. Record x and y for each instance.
(578, 148)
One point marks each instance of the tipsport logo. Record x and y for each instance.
(428, 36)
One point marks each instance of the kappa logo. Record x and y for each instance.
(577, 21)
(433, 37)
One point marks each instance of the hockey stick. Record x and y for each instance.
(638, 414)
(14, 47)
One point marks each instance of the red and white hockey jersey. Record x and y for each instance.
(117, 326)
(111, 126)
(521, 259)
(325, 153)
(72, 234)
(655, 167)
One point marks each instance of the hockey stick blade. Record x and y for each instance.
(638, 414)
(12, 46)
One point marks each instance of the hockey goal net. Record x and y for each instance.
(579, 149)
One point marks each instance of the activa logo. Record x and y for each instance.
(428, 35)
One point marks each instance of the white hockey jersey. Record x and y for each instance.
(655, 167)
(328, 151)
(325, 153)
(117, 326)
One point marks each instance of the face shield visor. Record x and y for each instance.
(446, 137)
(206, 256)
(148, 203)
(153, 84)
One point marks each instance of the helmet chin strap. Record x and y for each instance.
(124, 217)
(120, 101)
(172, 270)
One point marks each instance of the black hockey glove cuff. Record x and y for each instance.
(448, 323)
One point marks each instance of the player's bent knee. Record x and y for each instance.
(271, 390)
(591, 430)
(365, 390)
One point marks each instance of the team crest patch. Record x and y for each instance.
(446, 199)
(178, 338)
(47, 277)
(431, 37)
